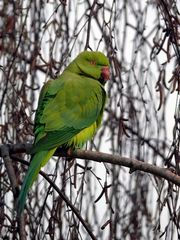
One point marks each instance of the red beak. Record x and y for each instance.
(105, 73)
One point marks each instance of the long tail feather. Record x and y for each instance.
(38, 160)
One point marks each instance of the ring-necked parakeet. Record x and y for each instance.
(69, 112)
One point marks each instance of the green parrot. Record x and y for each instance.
(69, 112)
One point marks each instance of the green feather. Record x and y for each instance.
(38, 161)
(69, 112)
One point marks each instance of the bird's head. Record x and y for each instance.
(93, 64)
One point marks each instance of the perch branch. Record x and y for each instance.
(131, 163)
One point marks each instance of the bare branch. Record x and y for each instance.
(10, 170)
(131, 163)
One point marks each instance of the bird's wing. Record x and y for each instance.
(66, 106)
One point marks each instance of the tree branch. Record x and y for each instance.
(5, 154)
(131, 163)
(65, 199)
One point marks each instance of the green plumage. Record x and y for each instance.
(69, 112)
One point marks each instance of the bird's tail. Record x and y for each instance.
(39, 159)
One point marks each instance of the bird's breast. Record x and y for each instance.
(83, 136)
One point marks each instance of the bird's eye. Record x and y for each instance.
(93, 62)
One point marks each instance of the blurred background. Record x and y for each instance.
(141, 39)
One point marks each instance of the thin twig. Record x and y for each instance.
(65, 198)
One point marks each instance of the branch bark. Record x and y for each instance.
(5, 154)
(131, 163)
